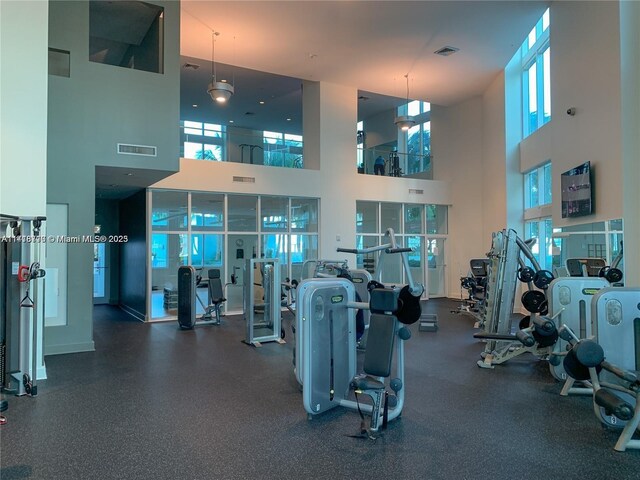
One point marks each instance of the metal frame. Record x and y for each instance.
(24, 325)
(270, 282)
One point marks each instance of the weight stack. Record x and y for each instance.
(428, 322)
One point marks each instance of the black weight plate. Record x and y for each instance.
(409, 307)
(542, 278)
(533, 300)
(525, 274)
(613, 275)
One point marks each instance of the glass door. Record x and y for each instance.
(436, 267)
(100, 285)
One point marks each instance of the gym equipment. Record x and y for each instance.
(326, 353)
(21, 303)
(188, 282)
(475, 284)
(612, 273)
(505, 266)
(360, 279)
(570, 305)
(584, 267)
(262, 303)
(616, 387)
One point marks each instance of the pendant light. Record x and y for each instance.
(405, 122)
(219, 91)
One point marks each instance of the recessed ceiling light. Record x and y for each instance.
(230, 121)
(129, 174)
(261, 102)
(195, 105)
(288, 119)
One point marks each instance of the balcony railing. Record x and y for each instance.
(232, 146)
(395, 164)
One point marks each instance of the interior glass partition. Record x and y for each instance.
(423, 228)
(218, 230)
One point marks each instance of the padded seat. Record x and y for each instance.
(366, 382)
(377, 365)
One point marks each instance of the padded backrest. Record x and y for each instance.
(379, 352)
(215, 285)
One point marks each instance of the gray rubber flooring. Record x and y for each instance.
(155, 402)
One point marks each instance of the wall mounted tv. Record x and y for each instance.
(577, 191)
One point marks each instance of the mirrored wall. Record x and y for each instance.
(220, 230)
(420, 227)
(599, 240)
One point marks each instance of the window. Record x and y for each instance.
(203, 141)
(360, 137)
(423, 228)
(542, 249)
(218, 230)
(282, 149)
(536, 78)
(537, 187)
(419, 148)
(415, 155)
(538, 224)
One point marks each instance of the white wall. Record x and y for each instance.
(24, 31)
(494, 160)
(457, 150)
(630, 72)
(585, 74)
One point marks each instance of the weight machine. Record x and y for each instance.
(326, 350)
(261, 299)
(21, 303)
(611, 361)
(188, 283)
(536, 333)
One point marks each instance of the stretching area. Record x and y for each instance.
(155, 401)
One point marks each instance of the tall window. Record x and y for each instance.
(536, 64)
(418, 147)
(537, 204)
(282, 149)
(360, 137)
(203, 141)
(423, 228)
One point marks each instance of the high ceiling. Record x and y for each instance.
(369, 45)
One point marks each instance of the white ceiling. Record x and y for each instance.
(369, 45)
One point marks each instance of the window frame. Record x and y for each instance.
(530, 56)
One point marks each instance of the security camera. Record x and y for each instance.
(571, 111)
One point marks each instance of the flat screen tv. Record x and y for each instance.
(577, 191)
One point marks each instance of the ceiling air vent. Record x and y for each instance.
(446, 51)
(244, 179)
(126, 149)
(417, 191)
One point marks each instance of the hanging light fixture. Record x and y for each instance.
(219, 91)
(405, 122)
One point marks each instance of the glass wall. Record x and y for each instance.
(423, 228)
(603, 240)
(218, 230)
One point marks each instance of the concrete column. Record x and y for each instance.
(329, 127)
(24, 39)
